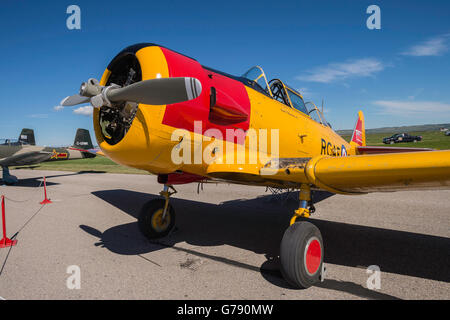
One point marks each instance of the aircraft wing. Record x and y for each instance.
(381, 149)
(91, 151)
(349, 175)
(381, 172)
(26, 158)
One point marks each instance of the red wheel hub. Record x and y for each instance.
(313, 256)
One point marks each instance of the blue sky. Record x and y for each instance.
(398, 75)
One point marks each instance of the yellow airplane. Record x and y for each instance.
(161, 111)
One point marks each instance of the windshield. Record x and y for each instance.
(284, 94)
(257, 75)
(279, 92)
(316, 114)
(287, 95)
(297, 101)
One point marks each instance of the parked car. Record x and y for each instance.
(447, 133)
(401, 137)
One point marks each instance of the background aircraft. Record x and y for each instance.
(25, 152)
(148, 93)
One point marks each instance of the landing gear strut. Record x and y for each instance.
(9, 179)
(157, 217)
(301, 250)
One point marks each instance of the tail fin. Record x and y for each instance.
(83, 140)
(359, 134)
(27, 137)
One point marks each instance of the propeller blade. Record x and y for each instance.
(158, 91)
(74, 100)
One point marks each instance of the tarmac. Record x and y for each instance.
(225, 244)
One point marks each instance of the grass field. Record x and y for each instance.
(431, 139)
(98, 163)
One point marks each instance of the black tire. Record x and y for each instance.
(149, 220)
(293, 255)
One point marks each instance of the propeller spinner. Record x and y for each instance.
(153, 91)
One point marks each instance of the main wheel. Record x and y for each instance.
(301, 254)
(151, 222)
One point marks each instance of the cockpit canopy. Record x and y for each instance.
(279, 91)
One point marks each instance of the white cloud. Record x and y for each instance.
(432, 47)
(365, 67)
(85, 111)
(58, 108)
(399, 107)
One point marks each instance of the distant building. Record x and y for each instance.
(443, 129)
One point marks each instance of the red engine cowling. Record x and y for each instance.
(223, 103)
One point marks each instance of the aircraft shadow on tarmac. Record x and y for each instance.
(258, 225)
(37, 181)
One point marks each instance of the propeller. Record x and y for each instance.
(74, 100)
(153, 91)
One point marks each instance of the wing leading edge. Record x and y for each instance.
(381, 172)
(350, 175)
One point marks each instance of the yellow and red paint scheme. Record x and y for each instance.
(148, 145)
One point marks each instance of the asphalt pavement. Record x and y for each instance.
(225, 245)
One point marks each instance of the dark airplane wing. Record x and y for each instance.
(26, 158)
(94, 151)
(381, 149)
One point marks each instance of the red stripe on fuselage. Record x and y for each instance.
(182, 115)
